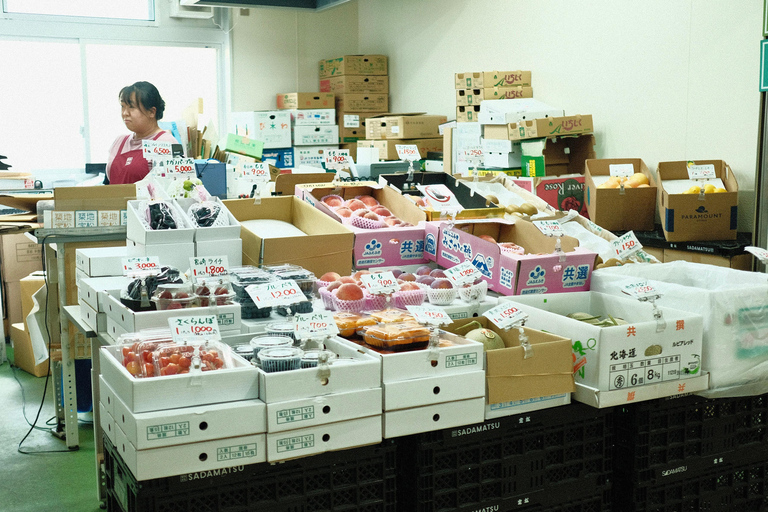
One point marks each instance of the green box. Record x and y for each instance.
(244, 145)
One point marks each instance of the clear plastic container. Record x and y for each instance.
(244, 350)
(259, 343)
(312, 357)
(281, 329)
(350, 323)
(280, 359)
(131, 296)
(391, 315)
(215, 290)
(180, 359)
(174, 296)
(304, 278)
(242, 277)
(137, 353)
(397, 336)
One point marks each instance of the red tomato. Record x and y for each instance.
(133, 368)
(185, 362)
(175, 358)
(171, 369)
(149, 369)
(165, 361)
(129, 357)
(125, 352)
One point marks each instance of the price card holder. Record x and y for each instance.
(441, 199)
(621, 170)
(759, 253)
(279, 293)
(156, 150)
(463, 273)
(380, 283)
(141, 265)
(316, 325)
(433, 317)
(408, 153)
(256, 173)
(701, 173)
(626, 245)
(185, 329)
(505, 316)
(336, 159)
(473, 155)
(553, 228)
(644, 292)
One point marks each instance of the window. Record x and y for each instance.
(124, 9)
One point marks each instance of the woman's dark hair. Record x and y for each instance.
(147, 96)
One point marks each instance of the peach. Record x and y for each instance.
(407, 276)
(360, 212)
(333, 285)
(488, 238)
(369, 201)
(347, 279)
(354, 204)
(423, 270)
(343, 212)
(425, 279)
(396, 272)
(333, 201)
(358, 275)
(438, 273)
(349, 291)
(392, 221)
(330, 277)
(409, 287)
(371, 216)
(381, 210)
(441, 284)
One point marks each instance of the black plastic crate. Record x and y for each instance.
(742, 489)
(356, 480)
(534, 456)
(655, 438)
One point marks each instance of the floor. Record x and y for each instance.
(62, 481)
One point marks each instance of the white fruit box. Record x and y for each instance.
(503, 409)
(138, 229)
(89, 288)
(190, 458)
(100, 261)
(159, 393)
(315, 135)
(106, 396)
(229, 231)
(600, 399)
(114, 329)
(640, 353)
(462, 356)
(107, 423)
(364, 373)
(232, 248)
(174, 255)
(428, 418)
(79, 276)
(321, 410)
(313, 116)
(228, 316)
(323, 438)
(93, 319)
(459, 309)
(406, 394)
(148, 430)
(514, 111)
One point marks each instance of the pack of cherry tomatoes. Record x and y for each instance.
(158, 357)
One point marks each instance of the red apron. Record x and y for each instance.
(131, 166)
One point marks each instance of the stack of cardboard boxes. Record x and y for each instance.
(386, 132)
(262, 135)
(473, 88)
(361, 86)
(313, 125)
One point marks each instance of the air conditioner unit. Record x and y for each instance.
(180, 9)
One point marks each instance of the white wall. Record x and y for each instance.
(664, 79)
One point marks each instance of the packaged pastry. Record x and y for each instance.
(397, 336)
(350, 323)
(391, 315)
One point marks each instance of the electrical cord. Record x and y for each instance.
(15, 371)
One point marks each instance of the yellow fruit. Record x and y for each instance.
(709, 188)
(636, 180)
(528, 209)
(643, 185)
(693, 190)
(719, 190)
(611, 182)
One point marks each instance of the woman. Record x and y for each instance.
(142, 107)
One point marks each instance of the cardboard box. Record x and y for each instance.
(388, 148)
(555, 157)
(202, 234)
(553, 126)
(96, 321)
(314, 117)
(687, 217)
(501, 153)
(467, 114)
(368, 102)
(376, 247)
(516, 407)
(433, 417)
(352, 148)
(404, 126)
(272, 127)
(736, 262)
(231, 248)
(327, 247)
(315, 135)
(352, 125)
(507, 93)
(354, 65)
(158, 394)
(22, 352)
(312, 156)
(355, 84)
(514, 111)
(195, 457)
(101, 261)
(634, 209)
(540, 270)
(599, 398)
(20, 257)
(138, 230)
(305, 100)
(107, 423)
(465, 97)
(174, 255)
(107, 396)
(510, 376)
(323, 438)
(113, 197)
(90, 288)
(406, 394)
(319, 410)
(282, 158)
(620, 357)
(492, 79)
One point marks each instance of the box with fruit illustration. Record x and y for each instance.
(388, 227)
(614, 209)
(620, 346)
(514, 257)
(698, 209)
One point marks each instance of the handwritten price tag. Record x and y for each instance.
(641, 290)
(180, 166)
(472, 154)
(315, 325)
(430, 315)
(505, 316)
(209, 266)
(153, 149)
(380, 282)
(549, 227)
(626, 245)
(258, 171)
(336, 158)
(408, 152)
(185, 328)
(701, 172)
(463, 273)
(759, 253)
(147, 264)
(621, 170)
(279, 293)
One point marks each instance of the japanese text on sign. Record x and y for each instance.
(472, 154)
(549, 227)
(154, 149)
(275, 294)
(464, 272)
(184, 328)
(257, 170)
(408, 152)
(380, 282)
(621, 170)
(641, 290)
(626, 245)
(147, 264)
(430, 315)
(759, 253)
(505, 316)
(336, 158)
(315, 325)
(701, 172)
(209, 266)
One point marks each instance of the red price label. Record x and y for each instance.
(641, 290)
(408, 152)
(185, 328)
(381, 282)
(315, 325)
(505, 316)
(146, 264)
(462, 273)
(626, 245)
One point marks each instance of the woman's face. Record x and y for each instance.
(136, 118)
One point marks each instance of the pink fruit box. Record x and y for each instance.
(394, 246)
(540, 270)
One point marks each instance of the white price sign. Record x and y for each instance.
(336, 158)
(626, 245)
(154, 149)
(141, 264)
(549, 227)
(258, 171)
(179, 166)
(184, 328)
(280, 293)
(408, 152)
(209, 266)
(380, 282)
(759, 253)
(430, 315)
(462, 273)
(315, 325)
(440, 198)
(641, 290)
(472, 153)
(621, 170)
(505, 316)
(701, 172)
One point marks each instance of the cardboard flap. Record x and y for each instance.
(26, 202)
(104, 197)
(397, 114)
(285, 184)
